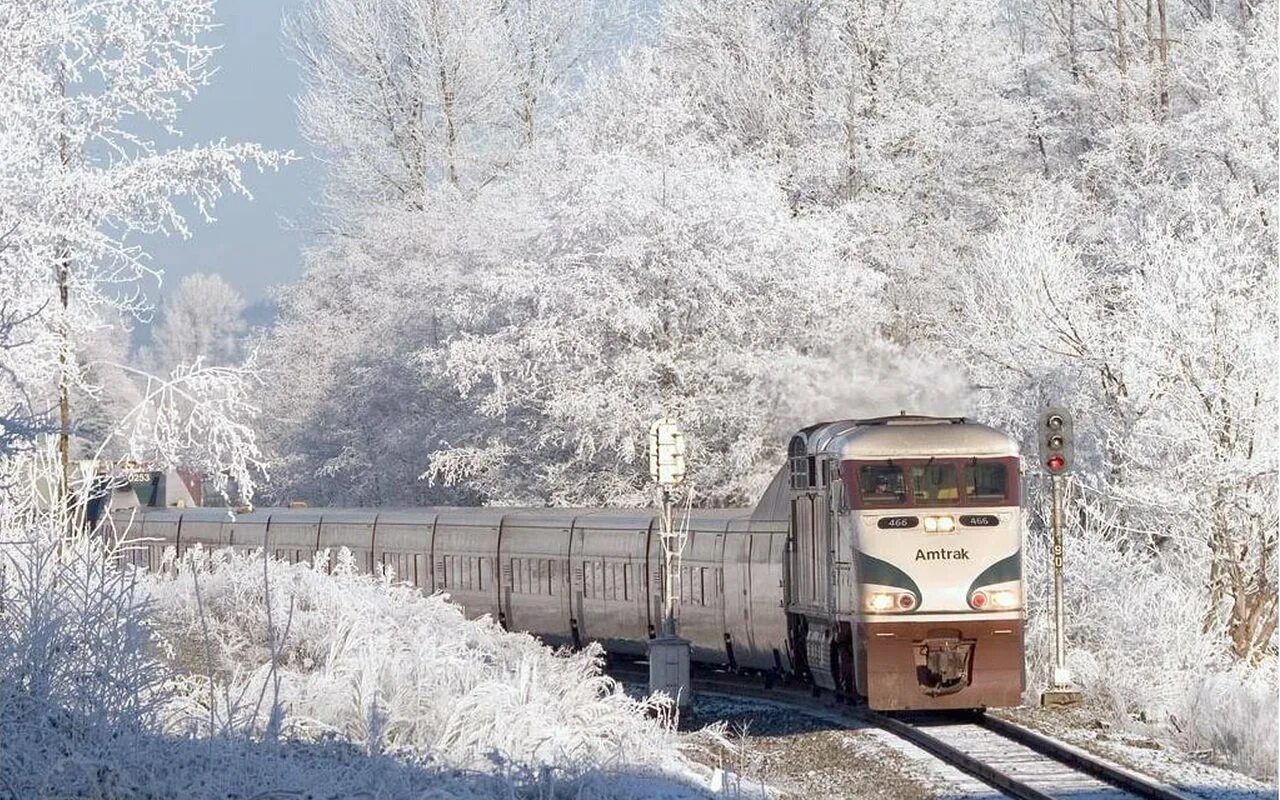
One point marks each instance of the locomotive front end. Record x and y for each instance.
(932, 512)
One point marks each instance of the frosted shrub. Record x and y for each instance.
(76, 674)
(1137, 647)
(363, 659)
(1234, 711)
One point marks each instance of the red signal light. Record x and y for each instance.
(978, 600)
(1056, 463)
(906, 602)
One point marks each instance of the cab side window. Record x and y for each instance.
(882, 484)
(986, 483)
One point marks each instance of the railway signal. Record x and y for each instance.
(666, 453)
(1057, 456)
(1056, 451)
(668, 653)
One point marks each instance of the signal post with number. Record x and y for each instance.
(1057, 456)
(668, 653)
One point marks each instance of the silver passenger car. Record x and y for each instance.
(568, 576)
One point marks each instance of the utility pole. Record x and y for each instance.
(1057, 456)
(668, 653)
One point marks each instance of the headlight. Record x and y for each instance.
(994, 600)
(942, 524)
(1004, 599)
(885, 602)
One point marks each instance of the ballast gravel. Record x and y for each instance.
(807, 754)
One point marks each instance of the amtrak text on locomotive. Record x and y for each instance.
(942, 555)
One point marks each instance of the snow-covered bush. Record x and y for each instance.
(336, 655)
(349, 683)
(77, 676)
(1233, 709)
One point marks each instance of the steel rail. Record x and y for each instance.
(1061, 752)
(987, 774)
(955, 757)
(1081, 760)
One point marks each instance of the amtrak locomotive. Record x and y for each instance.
(882, 564)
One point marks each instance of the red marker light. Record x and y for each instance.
(979, 600)
(906, 602)
(1056, 463)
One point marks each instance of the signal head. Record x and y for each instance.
(1056, 440)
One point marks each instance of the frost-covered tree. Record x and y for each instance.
(405, 95)
(25, 353)
(86, 89)
(901, 115)
(639, 288)
(202, 319)
(368, 415)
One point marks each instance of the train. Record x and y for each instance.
(882, 564)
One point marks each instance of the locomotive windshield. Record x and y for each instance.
(936, 482)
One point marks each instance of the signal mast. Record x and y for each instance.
(668, 653)
(1057, 455)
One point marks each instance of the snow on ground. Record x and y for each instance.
(342, 685)
(1189, 772)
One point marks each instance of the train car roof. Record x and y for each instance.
(255, 517)
(615, 518)
(405, 516)
(706, 520)
(713, 518)
(472, 516)
(347, 515)
(211, 514)
(287, 515)
(556, 518)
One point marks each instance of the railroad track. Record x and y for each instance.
(1011, 759)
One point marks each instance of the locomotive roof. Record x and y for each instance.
(910, 437)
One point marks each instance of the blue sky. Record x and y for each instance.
(255, 244)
